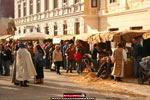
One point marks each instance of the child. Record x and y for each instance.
(78, 60)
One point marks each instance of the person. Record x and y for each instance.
(78, 58)
(88, 62)
(24, 66)
(94, 57)
(57, 58)
(51, 56)
(16, 82)
(6, 60)
(1, 67)
(39, 65)
(79, 46)
(47, 59)
(137, 54)
(64, 54)
(119, 57)
(105, 67)
(70, 53)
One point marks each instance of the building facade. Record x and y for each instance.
(56, 17)
(60, 17)
(119, 15)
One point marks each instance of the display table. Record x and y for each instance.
(128, 69)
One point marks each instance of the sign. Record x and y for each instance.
(56, 40)
(128, 45)
(30, 27)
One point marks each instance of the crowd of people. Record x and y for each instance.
(29, 59)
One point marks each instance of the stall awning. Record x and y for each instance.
(128, 35)
(84, 36)
(101, 37)
(4, 37)
(146, 35)
(68, 37)
(33, 36)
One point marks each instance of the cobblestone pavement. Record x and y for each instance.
(55, 85)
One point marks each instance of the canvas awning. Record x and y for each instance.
(146, 35)
(33, 36)
(3, 37)
(17, 36)
(101, 37)
(94, 39)
(84, 36)
(67, 37)
(128, 35)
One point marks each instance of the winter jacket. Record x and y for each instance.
(78, 57)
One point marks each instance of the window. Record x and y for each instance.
(24, 30)
(113, 1)
(64, 1)
(19, 31)
(31, 6)
(93, 3)
(47, 29)
(46, 5)
(24, 9)
(38, 29)
(136, 28)
(19, 10)
(31, 30)
(76, 1)
(113, 29)
(77, 28)
(55, 4)
(65, 29)
(38, 6)
(55, 30)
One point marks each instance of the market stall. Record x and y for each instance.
(83, 39)
(125, 38)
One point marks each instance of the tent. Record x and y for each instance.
(84, 36)
(3, 37)
(33, 36)
(128, 35)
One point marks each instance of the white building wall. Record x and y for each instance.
(50, 17)
(124, 16)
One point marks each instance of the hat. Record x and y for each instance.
(21, 45)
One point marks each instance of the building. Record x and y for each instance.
(59, 17)
(119, 15)
(56, 17)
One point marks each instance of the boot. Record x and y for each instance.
(37, 81)
(25, 84)
(21, 84)
(41, 80)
